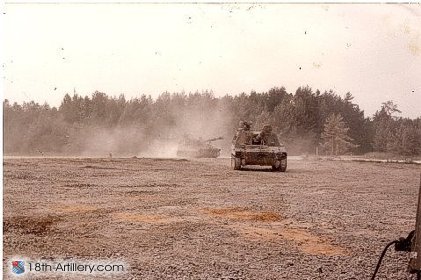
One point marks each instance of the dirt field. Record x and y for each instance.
(178, 219)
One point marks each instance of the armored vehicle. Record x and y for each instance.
(197, 148)
(257, 148)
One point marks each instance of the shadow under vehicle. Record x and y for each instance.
(258, 148)
(197, 148)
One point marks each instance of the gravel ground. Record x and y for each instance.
(198, 219)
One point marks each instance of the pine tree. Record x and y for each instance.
(335, 135)
(385, 125)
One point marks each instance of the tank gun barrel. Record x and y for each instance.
(214, 139)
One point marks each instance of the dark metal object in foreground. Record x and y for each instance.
(411, 244)
(415, 261)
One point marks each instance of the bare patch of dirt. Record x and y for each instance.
(304, 240)
(312, 244)
(238, 213)
(144, 198)
(143, 218)
(80, 185)
(75, 208)
(98, 167)
(19, 176)
(140, 193)
(29, 225)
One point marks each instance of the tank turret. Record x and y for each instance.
(197, 148)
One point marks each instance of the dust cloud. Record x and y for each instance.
(159, 140)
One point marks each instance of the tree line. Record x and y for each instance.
(306, 121)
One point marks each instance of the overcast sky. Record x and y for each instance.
(370, 50)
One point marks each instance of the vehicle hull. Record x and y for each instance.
(259, 155)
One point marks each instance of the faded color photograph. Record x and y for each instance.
(211, 141)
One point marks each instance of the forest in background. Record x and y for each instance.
(305, 121)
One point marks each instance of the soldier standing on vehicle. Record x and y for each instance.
(243, 135)
(266, 137)
(248, 134)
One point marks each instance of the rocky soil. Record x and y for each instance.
(199, 219)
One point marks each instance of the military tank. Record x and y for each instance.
(257, 148)
(190, 147)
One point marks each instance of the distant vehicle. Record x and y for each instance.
(197, 148)
(257, 148)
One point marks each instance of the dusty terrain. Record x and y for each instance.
(198, 219)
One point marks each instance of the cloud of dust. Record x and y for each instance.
(300, 145)
(161, 141)
(106, 142)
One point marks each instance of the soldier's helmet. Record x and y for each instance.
(267, 128)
